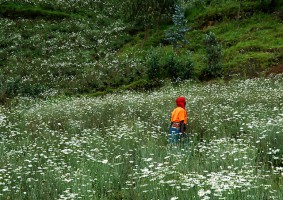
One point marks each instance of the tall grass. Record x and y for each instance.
(116, 146)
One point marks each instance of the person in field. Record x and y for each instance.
(179, 122)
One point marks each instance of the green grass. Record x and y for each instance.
(221, 12)
(254, 42)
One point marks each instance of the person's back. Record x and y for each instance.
(178, 121)
(179, 114)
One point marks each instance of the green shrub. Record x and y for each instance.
(213, 56)
(16, 87)
(185, 66)
(153, 65)
(31, 89)
(178, 67)
(169, 65)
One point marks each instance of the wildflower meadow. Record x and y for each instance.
(116, 146)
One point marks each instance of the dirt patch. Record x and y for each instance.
(275, 70)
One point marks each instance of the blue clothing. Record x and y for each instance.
(176, 136)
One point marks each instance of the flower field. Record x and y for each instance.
(116, 146)
(63, 58)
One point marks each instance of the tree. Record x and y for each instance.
(8, 71)
(213, 55)
(176, 34)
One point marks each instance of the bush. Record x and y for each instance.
(153, 65)
(162, 65)
(15, 87)
(185, 66)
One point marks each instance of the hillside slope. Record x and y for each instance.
(80, 47)
(250, 36)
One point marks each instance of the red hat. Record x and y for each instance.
(181, 102)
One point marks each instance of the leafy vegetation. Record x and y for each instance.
(84, 47)
(169, 65)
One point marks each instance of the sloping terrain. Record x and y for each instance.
(83, 47)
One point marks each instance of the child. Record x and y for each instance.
(179, 122)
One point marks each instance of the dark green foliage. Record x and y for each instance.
(15, 11)
(120, 42)
(32, 90)
(169, 65)
(271, 5)
(185, 66)
(213, 56)
(145, 13)
(178, 66)
(14, 87)
(153, 65)
(11, 88)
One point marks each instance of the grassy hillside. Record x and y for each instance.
(45, 49)
(249, 49)
(84, 47)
